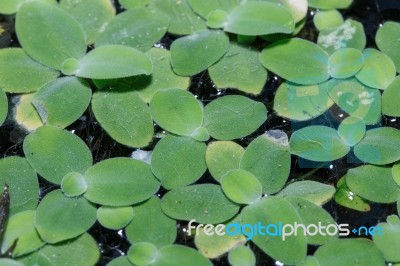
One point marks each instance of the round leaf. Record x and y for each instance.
(10, 7)
(206, 203)
(318, 143)
(194, 53)
(313, 191)
(296, 60)
(178, 161)
(73, 184)
(25, 114)
(327, 19)
(330, 4)
(387, 38)
(173, 255)
(241, 186)
(204, 7)
(352, 130)
(131, 178)
(389, 238)
(379, 146)
(345, 63)
(233, 116)
(241, 256)
(142, 254)
(54, 152)
(41, 25)
(217, 19)
(129, 4)
(391, 98)
(114, 217)
(121, 260)
(60, 218)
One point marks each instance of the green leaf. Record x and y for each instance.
(241, 69)
(274, 210)
(9, 7)
(350, 34)
(138, 28)
(14, 64)
(22, 181)
(378, 70)
(183, 20)
(249, 19)
(303, 103)
(124, 116)
(206, 203)
(345, 197)
(352, 252)
(379, 146)
(217, 19)
(241, 186)
(313, 191)
(173, 255)
(160, 229)
(92, 15)
(296, 60)
(54, 152)
(178, 161)
(318, 143)
(10, 262)
(132, 179)
(111, 62)
(204, 7)
(268, 158)
(129, 4)
(142, 254)
(387, 38)
(177, 111)
(242, 256)
(358, 100)
(396, 173)
(298, 8)
(391, 98)
(60, 218)
(374, 183)
(54, 101)
(330, 4)
(352, 130)
(312, 214)
(327, 19)
(389, 238)
(73, 184)
(121, 260)
(21, 232)
(3, 106)
(25, 114)
(345, 63)
(114, 218)
(233, 116)
(192, 54)
(41, 25)
(223, 156)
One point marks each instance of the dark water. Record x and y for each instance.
(372, 13)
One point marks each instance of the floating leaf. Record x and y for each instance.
(121, 260)
(129, 4)
(73, 184)
(25, 114)
(268, 158)
(223, 156)
(391, 98)
(298, 8)
(3, 106)
(274, 210)
(114, 218)
(396, 173)
(233, 116)
(350, 34)
(21, 233)
(22, 181)
(303, 103)
(296, 60)
(312, 191)
(330, 4)
(173, 255)
(183, 20)
(60, 218)
(378, 70)
(240, 68)
(177, 111)
(387, 38)
(54, 152)
(327, 19)
(194, 53)
(138, 28)
(352, 130)
(250, 19)
(358, 100)
(142, 254)
(345, 63)
(178, 161)
(110, 62)
(374, 183)
(161, 230)
(206, 203)
(389, 238)
(54, 101)
(242, 256)
(204, 7)
(41, 25)
(92, 15)
(318, 143)
(9, 7)
(345, 197)
(379, 146)
(124, 115)
(217, 19)
(14, 64)
(132, 179)
(241, 186)
(352, 252)
(10, 262)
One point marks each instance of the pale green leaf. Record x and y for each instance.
(387, 39)
(241, 186)
(115, 218)
(345, 63)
